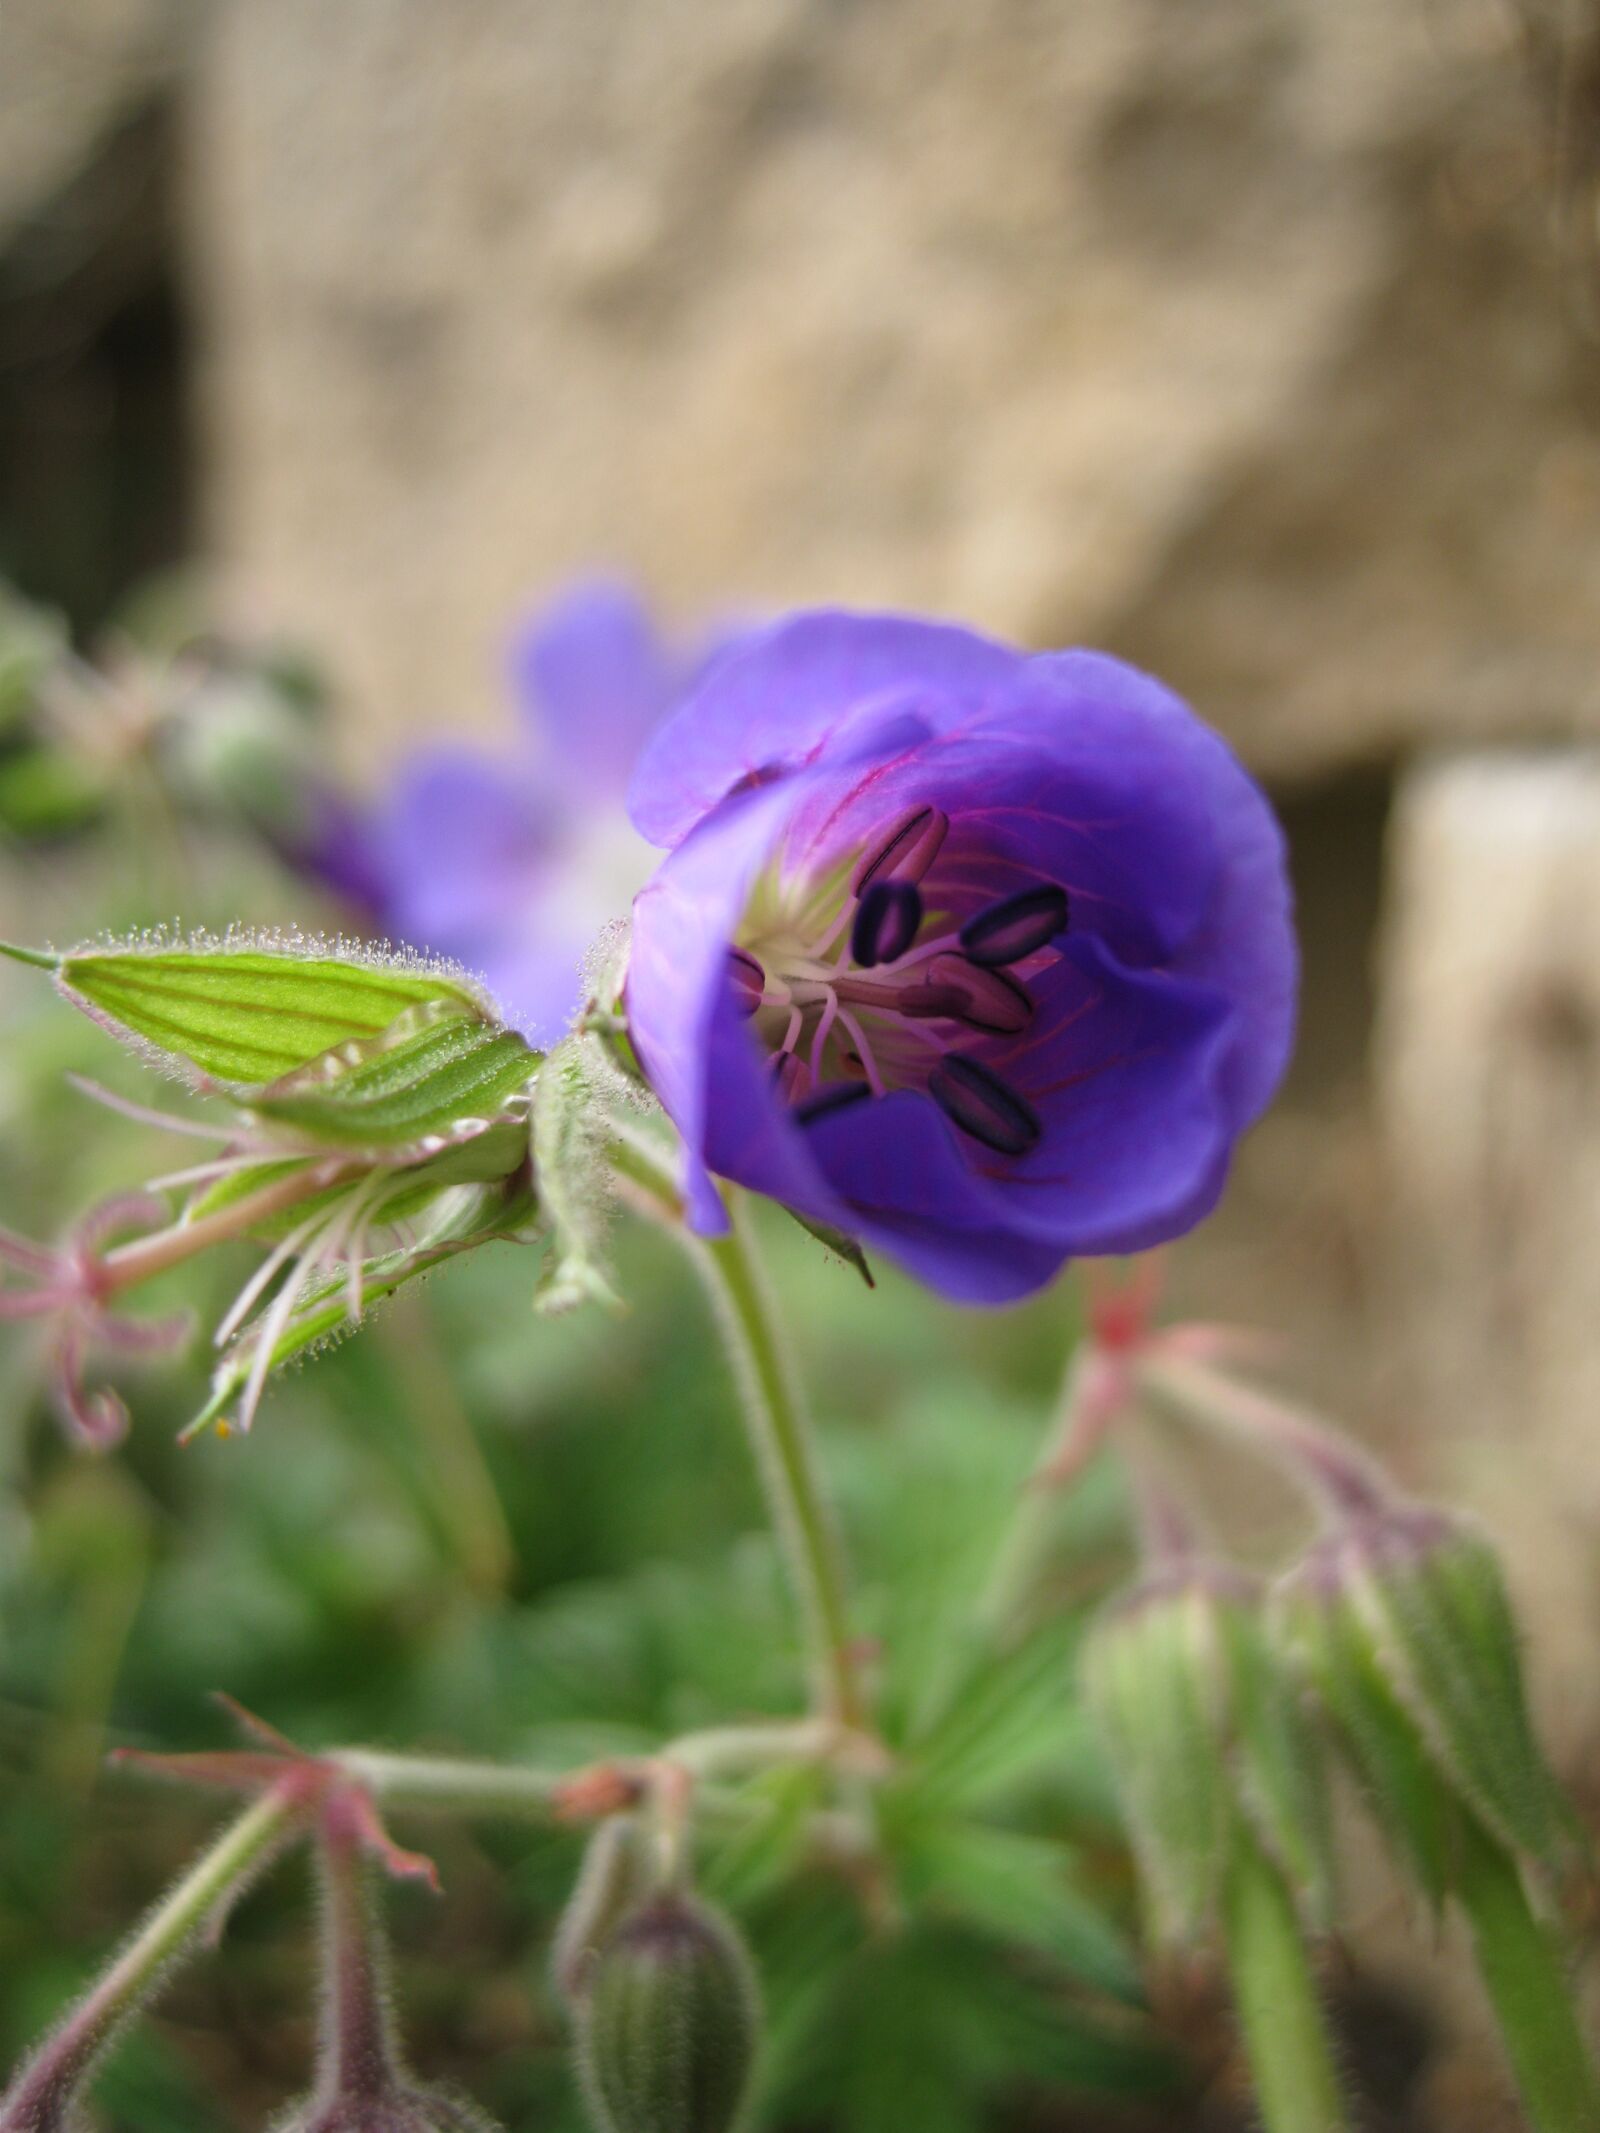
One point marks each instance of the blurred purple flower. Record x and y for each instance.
(984, 958)
(511, 863)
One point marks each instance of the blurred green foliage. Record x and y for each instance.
(469, 1529)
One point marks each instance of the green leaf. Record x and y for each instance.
(1005, 1728)
(769, 1841)
(433, 1078)
(573, 1184)
(249, 1015)
(1019, 1889)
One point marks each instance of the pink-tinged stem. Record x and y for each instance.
(40, 2098)
(132, 1263)
(1337, 1474)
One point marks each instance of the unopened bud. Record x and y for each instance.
(1205, 1736)
(669, 2027)
(1401, 1620)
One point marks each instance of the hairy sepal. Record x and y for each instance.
(569, 1140)
(244, 1011)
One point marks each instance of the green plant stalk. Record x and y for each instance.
(775, 1423)
(1527, 1984)
(43, 2085)
(1286, 2039)
(780, 1436)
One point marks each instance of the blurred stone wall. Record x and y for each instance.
(1238, 338)
(1228, 335)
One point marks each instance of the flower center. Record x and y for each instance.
(864, 981)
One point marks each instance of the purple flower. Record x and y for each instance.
(984, 958)
(510, 864)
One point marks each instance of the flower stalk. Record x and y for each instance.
(1286, 2040)
(40, 2097)
(1528, 1986)
(780, 1437)
(775, 1420)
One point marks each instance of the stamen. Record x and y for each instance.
(1016, 926)
(888, 919)
(791, 1077)
(980, 1103)
(832, 1096)
(747, 980)
(824, 1029)
(863, 1051)
(906, 852)
(986, 999)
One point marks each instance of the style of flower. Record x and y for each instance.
(984, 958)
(511, 864)
(71, 1288)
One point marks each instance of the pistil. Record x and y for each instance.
(871, 981)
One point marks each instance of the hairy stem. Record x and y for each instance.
(1527, 1982)
(39, 2098)
(780, 1437)
(1285, 2038)
(775, 1423)
(132, 1263)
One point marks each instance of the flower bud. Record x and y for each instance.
(1401, 1620)
(1206, 1737)
(668, 2029)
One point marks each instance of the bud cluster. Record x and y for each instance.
(1208, 1735)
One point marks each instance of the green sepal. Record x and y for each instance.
(248, 1015)
(573, 1183)
(1447, 1636)
(1410, 1801)
(839, 1242)
(1283, 1787)
(1416, 1598)
(1156, 1675)
(432, 1078)
(478, 1216)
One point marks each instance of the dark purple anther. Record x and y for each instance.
(1017, 925)
(981, 1104)
(887, 921)
(832, 1096)
(748, 980)
(905, 852)
(984, 999)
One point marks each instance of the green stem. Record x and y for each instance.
(508, 1790)
(1527, 1982)
(1276, 1995)
(780, 1437)
(775, 1423)
(40, 2094)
